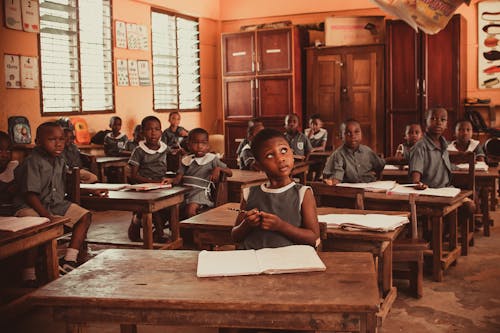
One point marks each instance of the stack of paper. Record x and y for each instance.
(371, 222)
(479, 166)
(104, 186)
(12, 223)
(288, 259)
(438, 192)
(391, 167)
(147, 186)
(378, 186)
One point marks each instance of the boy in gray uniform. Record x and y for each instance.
(297, 140)
(352, 162)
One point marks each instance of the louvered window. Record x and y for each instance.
(76, 57)
(176, 62)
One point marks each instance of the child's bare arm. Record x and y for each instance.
(245, 222)
(33, 200)
(415, 178)
(216, 173)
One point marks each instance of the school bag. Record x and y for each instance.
(82, 135)
(19, 129)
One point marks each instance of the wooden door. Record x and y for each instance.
(238, 53)
(274, 96)
(274, 51)
(234, 133)
(239, 98)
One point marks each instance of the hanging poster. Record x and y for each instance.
(133, 73)
(143, 67)
(13, 18)
(120, 34)
(488, 44)
(122, 72)
(12, 71)
(132, 38)
(31, 15)
(29, 72)
(142, 33)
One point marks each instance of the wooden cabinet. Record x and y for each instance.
(347, 82)
(261, 78)
(423, 71)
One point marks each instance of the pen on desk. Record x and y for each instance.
(237, 210)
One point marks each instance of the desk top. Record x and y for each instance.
(116, 278)
(246, 176)
(427, 200)
(492, 172)
(109, 159)
(9, 236)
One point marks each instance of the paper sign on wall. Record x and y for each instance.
(488, 21)
(31, 16)
(120, 34)
(13, 18)
(122, 72)
(132, 38)
(12, 71)
(142, 33)
(29, 72)
(133, 73)
(143, 67)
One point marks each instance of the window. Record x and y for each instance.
(176, 62)
(76, 59)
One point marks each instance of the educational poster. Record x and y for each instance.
(13, 18)
(12, 71)
(132, 37)
(122, 72)
(133, 74)
(488, 44)
(142, 33)
(31, 15)
(144, 77)
(120, 34)
(29, 72)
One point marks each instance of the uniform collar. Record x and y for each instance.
(188, 159)
(110, 134)
(265, 188)
(163, 147)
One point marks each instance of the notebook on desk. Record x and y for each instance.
(449, 192)
(378, 186)
(369, 222)
(479, 166)
(12, 223)
(103, 186)
(147, 186)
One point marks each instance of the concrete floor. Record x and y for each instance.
(468, 300)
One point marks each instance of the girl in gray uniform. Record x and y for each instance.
(280, 212)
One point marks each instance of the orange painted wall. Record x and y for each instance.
(131, 103)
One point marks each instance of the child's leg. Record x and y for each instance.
(29, 273)
(192, 209)
(134, 229)
(80, 220)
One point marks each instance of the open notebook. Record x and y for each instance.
(104, 186)
(479, 166)
(449, 192)
(147, 186)
(371, 222)
(12, 223)
(378, 186)
(288, 259)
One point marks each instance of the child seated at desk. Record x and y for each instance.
(316, 134)
(131, 145)
(244, 142)
(199, 170)
(465, 142)
(297, 140)
(280, 212)
(114, 141)
(352, 162)
(7, 167)
(41, 180)
(71, 155)
(246, 160)
(175, 134)
(413, 133)
(149, 165)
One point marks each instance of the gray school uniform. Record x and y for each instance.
(114, 145)
(46, 176)
(171, 138)
(353, 166)
(71, 155)
(285, 202)
(196, 173)
(317, 139)
(131, 145)
(152, 163)
(474, 146)
(299, 143)
(431, 162)
(246, 158)
(7, 180)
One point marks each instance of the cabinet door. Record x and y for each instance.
(239, 98)
(274, 96)
(238, 53)
(403, 81)
(274, 51)
(234, 133)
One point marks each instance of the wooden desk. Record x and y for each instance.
(104, 162)
(300, 170)
(436, 208)
(112, 287)
(146, 202)
(241, 179)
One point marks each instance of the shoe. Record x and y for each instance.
(134, 232)
(66, 266)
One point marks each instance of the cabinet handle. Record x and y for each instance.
(340, 63)
(253, 67)
(258, 66)
(344, 90)
(423, 87)
(256, 84)
(418, 87)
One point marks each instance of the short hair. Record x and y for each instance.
(254, 121)
(68, 130)
(263, 136)
(148, 119)
(196, 131)
(40, 131)
(5, 137)
(346, 122)
(172, 113)
(315, 116)
(251, 129)
(112, 120)
(137, 129)
(407, 128)
(435, 109)
(290, 115)
(461, 121)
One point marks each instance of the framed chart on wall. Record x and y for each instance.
(488, 20)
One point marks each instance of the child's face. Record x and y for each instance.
(413, 134)
(275, 158)
(52, 141)
(198, 145)
(5, 153)
(69, 138)
(437, 121)
(152, 132)
(174, 119)
(116, 126)
(464, 132)
(352, 135)
(256, 129)
(292, 124)
(315, 125)
(138, 136)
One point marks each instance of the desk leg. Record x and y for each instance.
(128, 328)
(76, 328)
(387, 269)
(453, 225)
(174, 222)
(485, 209)
(51, 260)
(437, 248)
(147, 230)
(102, 177)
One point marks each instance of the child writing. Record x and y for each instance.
(280, 212)
(114, 141)
(41, 181)
(71, 155)
(131, 145)
(299, 143)
(413, 133)
(149, 165)
(7, 167)
(465, 142)
(174, 134)
(352, 162)
(246, 160)
(199, 170)
(316, 134)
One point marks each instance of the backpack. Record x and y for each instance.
(82, 135)
(19, 129)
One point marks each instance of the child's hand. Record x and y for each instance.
(420, 186)
(253, 218)
(183, 133)
(99, 192)
(331, 181)
(167, 181)
(270, 221)
(215, 174)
